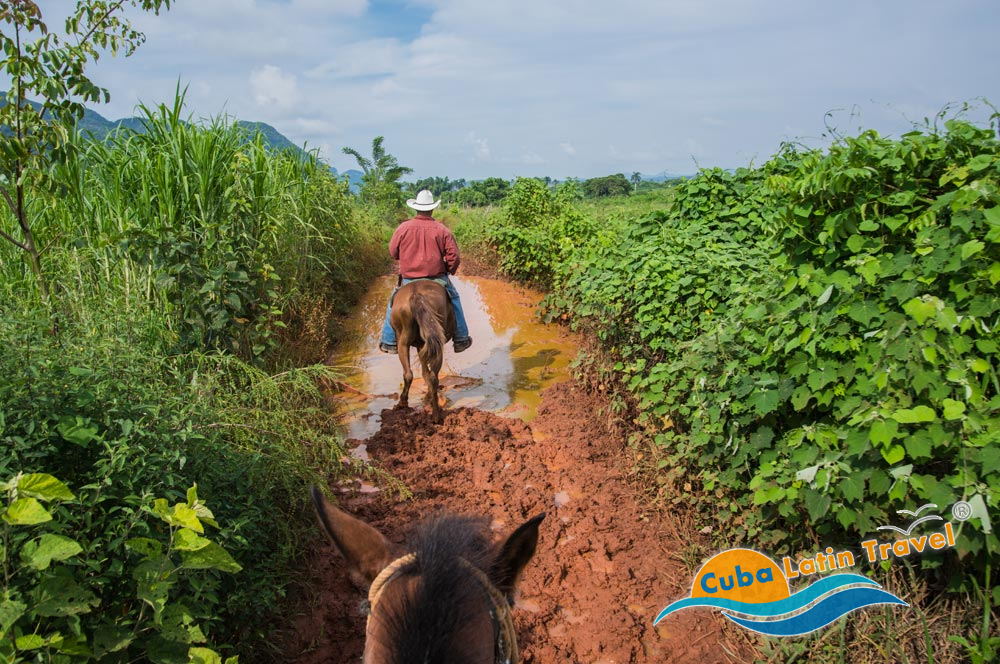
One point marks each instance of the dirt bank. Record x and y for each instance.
(606, 563)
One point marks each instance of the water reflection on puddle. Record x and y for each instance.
(512, 359)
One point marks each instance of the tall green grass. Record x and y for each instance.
(192, 268)
(203, 223)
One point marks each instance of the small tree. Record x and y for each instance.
(636, 179)
(50, 70)
(380, 186)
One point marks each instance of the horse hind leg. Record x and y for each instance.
(404, 359)
(431, 378)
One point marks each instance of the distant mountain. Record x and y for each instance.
(99, 127)
(353, 176)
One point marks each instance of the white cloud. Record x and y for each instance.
(336, 8)
(531, 158)
(658, 81)
(273, 87)
(364, 58)
(480, 147)
(315, 126)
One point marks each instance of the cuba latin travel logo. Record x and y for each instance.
(752, 590)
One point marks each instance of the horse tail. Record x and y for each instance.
(430, 329)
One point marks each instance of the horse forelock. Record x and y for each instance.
(441, 614)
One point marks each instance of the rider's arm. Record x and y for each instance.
(451, 256)
(394, 244)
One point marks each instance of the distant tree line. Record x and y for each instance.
(383, 189)
(494, 190)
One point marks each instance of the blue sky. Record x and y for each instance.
(478, 88)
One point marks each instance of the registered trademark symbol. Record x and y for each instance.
(961, 510)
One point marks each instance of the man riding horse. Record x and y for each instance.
(426, 249)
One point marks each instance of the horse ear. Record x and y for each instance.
(365, 549)
(515, 554)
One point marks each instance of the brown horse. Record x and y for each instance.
(443, 598)
(423, 318)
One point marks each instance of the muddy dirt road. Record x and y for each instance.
(606, 563)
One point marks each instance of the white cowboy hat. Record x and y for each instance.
(424, 201)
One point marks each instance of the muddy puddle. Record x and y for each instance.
(512, 359)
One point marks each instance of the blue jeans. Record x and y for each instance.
(461, 327)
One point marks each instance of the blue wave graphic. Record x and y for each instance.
(790, 604)
(821, 615)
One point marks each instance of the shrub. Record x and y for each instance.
(810, 345)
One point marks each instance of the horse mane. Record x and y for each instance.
(420, 628)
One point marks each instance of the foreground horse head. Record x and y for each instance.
(444, 598)
(422, 318)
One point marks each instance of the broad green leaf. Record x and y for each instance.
(211, 556)
(145, 547)
(26, 512)
(852, 487)
(920, 309)
(816, 503)
(43, 487)
(153, 583)
(915, 415)
(990, 457)
(178, 625)
(863, 312)
(893, 454)
(980, 162)
(184, 516)
(30, 642)
(764, 401)
(60, 595)
(847, 517)
(953, 410)
(161, 509)
(111, 638)
(895, 221)
(883, 431)
(992, 215)
(972, 247)
(10, 611)
(188, 540)
(39, 553)
(203, 656)
(819, 379)
(77, 430)
(918, 445)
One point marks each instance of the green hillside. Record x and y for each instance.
(97, 126)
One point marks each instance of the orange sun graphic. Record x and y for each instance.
(742, 575)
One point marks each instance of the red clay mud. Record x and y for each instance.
(604, 566)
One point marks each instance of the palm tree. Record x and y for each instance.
(382, 168)
(636, 179)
